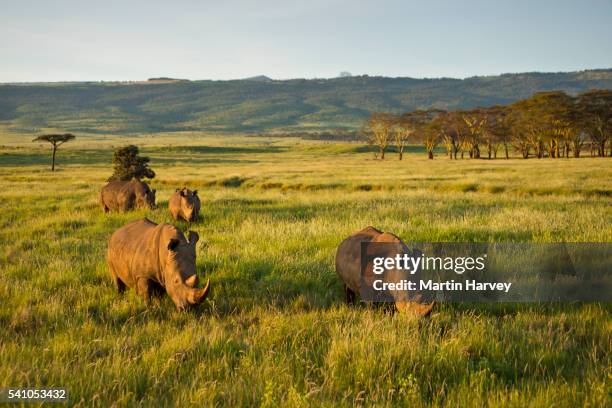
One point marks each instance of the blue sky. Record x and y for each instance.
(131, 40)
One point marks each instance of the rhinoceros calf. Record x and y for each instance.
(348, 267)
(150, 257)
(126, 195)
(185, 204)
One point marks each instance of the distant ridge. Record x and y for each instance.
(260, 104)
(259, 78)
(165, 79)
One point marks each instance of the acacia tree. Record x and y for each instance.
(490, 131)
(442, 124)
(560, 117)
(378, 126)
(499, 129)
(535, 137)
(595, 109)
(529, 126)
(430, 141)
(520, 143)
(426, 124)
(560, 134)
(422, 123)
(403, 129)
(547, 119)
(455, 133)
(475, 122)
(518, 138)
(56, 141)
(459, 131)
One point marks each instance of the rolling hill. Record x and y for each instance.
(261, 105)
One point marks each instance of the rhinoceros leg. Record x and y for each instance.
(144, 289)
(350, 295)
(119, 284)
(116, 280)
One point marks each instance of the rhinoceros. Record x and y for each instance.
(185, 204)
(126, 195)
(151, 258)
(348, 267)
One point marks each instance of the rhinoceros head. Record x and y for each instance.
(189, 203)
(151, 198)
(405, 302)
(145, 197)
(148, 199)
(180, 276)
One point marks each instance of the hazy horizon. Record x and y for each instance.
(70, 42)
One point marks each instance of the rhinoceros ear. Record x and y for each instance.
(193, 237)
(173, 243)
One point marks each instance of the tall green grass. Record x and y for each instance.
(275, 331)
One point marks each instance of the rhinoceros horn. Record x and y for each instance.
(199, 295)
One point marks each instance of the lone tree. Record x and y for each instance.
(56, 141)
(127, 164)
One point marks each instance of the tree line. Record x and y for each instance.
(548, 124)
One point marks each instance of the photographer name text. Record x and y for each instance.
(468, 285)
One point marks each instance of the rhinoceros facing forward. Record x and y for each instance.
(185, 204)
(150, 257)
(126, 195)
(348, 267)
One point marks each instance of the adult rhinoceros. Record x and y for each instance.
(184, 204)
(348, 267)
(147, 256)
(126, 195)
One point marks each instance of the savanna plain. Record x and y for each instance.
(275, 330)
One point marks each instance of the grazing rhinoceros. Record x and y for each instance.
(348, 267)
(152, 258)
(185, 204)
(126, 195)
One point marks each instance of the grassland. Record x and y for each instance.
(275, 331)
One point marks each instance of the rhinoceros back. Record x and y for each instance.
(121, 195)
(174, 204)
(115, 196)
(134, 252)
